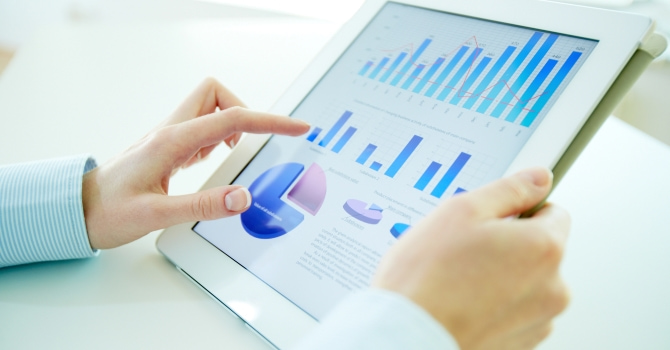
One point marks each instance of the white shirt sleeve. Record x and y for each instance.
(41, 211)
(378, 319)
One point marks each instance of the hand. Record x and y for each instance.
(126, 198)
(489, 278)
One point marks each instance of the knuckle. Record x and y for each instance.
(546, 331)
(547, 248)
(553, 252)
(559, 298)
(236, 112)
(210, 81)
(516, 190)
(203, 207)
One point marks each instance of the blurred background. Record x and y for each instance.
(22, 19)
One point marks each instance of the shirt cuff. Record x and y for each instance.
(379, 319)
(41, 211)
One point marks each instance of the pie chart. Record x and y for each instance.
(269, 216)
(360, 211)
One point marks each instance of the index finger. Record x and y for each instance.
(216, 127)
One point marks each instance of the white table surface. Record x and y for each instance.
(95, 89)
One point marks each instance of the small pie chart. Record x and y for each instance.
(360, 211)
(269, 216)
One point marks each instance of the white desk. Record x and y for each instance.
(96, 89)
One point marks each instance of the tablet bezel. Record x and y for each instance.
(280, 321)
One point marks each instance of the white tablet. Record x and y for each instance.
(412, 102)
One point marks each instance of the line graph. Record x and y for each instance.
(518, 81)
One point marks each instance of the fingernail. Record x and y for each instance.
(539, 176)
(232, 144)
(238, 200)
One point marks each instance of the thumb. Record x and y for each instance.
(214, 203)
(511, 195)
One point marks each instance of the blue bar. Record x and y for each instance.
(394, 65)
(314, 134)
(402, 157)
(379, 68)
(375, 166)
(531, 90)
(415, 57)
(413, 77)
(365, 68)
(525, 74)
(429, 75)
(427, 176)
(493, 94)
(461, 52)
(484, 84)
(551, 88)
(335, 129)
(459, 190)
(451, 174)
(344, 139)
(367, 152)
(463, 91)
(469, 63)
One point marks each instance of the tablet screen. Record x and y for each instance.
(423, 105)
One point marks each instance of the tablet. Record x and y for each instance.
(411, 103)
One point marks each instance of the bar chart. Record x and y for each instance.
(340, 134)
(515, 85)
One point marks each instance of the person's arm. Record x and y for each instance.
(58, 209)
(41, 212)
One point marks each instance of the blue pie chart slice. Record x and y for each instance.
(269, 216)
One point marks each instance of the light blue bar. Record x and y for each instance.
(379, 68)
(314, 134)
(484, 84)
(427, 176)
(551, 88)
(493, 94)
(461, 52)
(413, 77)
(394, 65)
(415, 57)
(375, 166)
(367, 152)
(467, 65)
(459, 190)
(404, 154)
(335, 129)
(525, 74)
(428, 75)
(365, 68)
(463, 91)
(451, 174)
(344, 139)
(531, 91)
